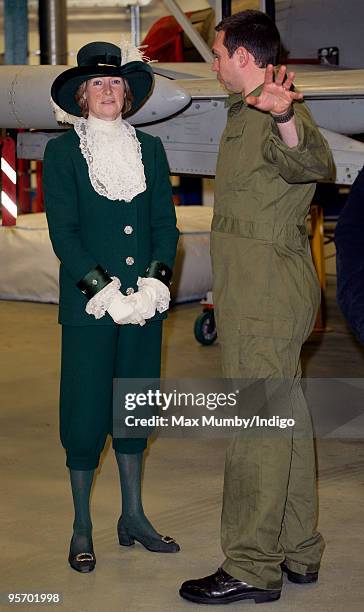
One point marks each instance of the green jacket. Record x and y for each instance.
(264, 280)
(94, 237)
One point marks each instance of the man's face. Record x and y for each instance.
(105, 97)
(228, 69)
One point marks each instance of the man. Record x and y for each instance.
(350, 258)
(266, 295)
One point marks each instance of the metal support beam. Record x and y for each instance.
(226, 8)
(16, 31)
(187, 26)
(268, 6)
(135, 24)
(53, 31)
(216, 5)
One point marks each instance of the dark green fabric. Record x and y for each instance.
(91, 358)
(132, 513)
(87, 229)
(81, 483)
(99, 52)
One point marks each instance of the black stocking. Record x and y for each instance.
(132, 514)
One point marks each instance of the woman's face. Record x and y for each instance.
(105, 97)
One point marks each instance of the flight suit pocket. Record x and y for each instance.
(267, 348)
(234, 128)
(232, 156)
(276, 327)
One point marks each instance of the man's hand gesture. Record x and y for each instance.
(276, 96)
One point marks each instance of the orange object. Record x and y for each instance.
(164, 40)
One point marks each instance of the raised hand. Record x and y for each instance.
(276, 96)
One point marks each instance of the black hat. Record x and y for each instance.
(104, 59)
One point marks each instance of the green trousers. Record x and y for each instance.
(270, 500)
(91, 358)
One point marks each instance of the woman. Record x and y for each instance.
(113, 226)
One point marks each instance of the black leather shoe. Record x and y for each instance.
(221, 588)
(299, 578)
(82, 562)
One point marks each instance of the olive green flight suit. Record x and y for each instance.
(266, 296)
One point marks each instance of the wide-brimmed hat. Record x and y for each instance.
(104, 59)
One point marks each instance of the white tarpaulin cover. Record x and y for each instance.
(29, 268)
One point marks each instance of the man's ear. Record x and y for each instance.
(242, 56)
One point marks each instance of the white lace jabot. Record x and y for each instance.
(113, 155)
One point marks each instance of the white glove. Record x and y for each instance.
(123, 311)
(152, 295)
(159, 290)
(110, 300)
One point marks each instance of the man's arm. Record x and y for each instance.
(288, 132)
(295, 145)
(277, 98)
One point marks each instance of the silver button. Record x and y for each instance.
(129, 261)
(128, 229)
(94, 281)
(129, 291)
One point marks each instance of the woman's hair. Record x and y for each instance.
(80, 97)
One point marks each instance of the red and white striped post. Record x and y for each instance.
(9, 210)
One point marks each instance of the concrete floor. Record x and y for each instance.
(182, 485)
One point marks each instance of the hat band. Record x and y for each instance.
(106, 59)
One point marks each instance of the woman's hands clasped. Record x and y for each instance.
(123, 311)
(135, 309)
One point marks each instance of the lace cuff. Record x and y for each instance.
(162, 294)
(99, 304)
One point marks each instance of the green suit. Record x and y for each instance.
(266, 296)
(96, 238)
(87, 229)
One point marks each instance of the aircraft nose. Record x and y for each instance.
(168, 98)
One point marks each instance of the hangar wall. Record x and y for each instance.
(88, 20)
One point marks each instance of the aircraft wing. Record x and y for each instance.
(191, 138)
(334, 96)
(187, 111)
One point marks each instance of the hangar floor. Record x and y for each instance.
(182, 486)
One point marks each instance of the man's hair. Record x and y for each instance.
(256, 32)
